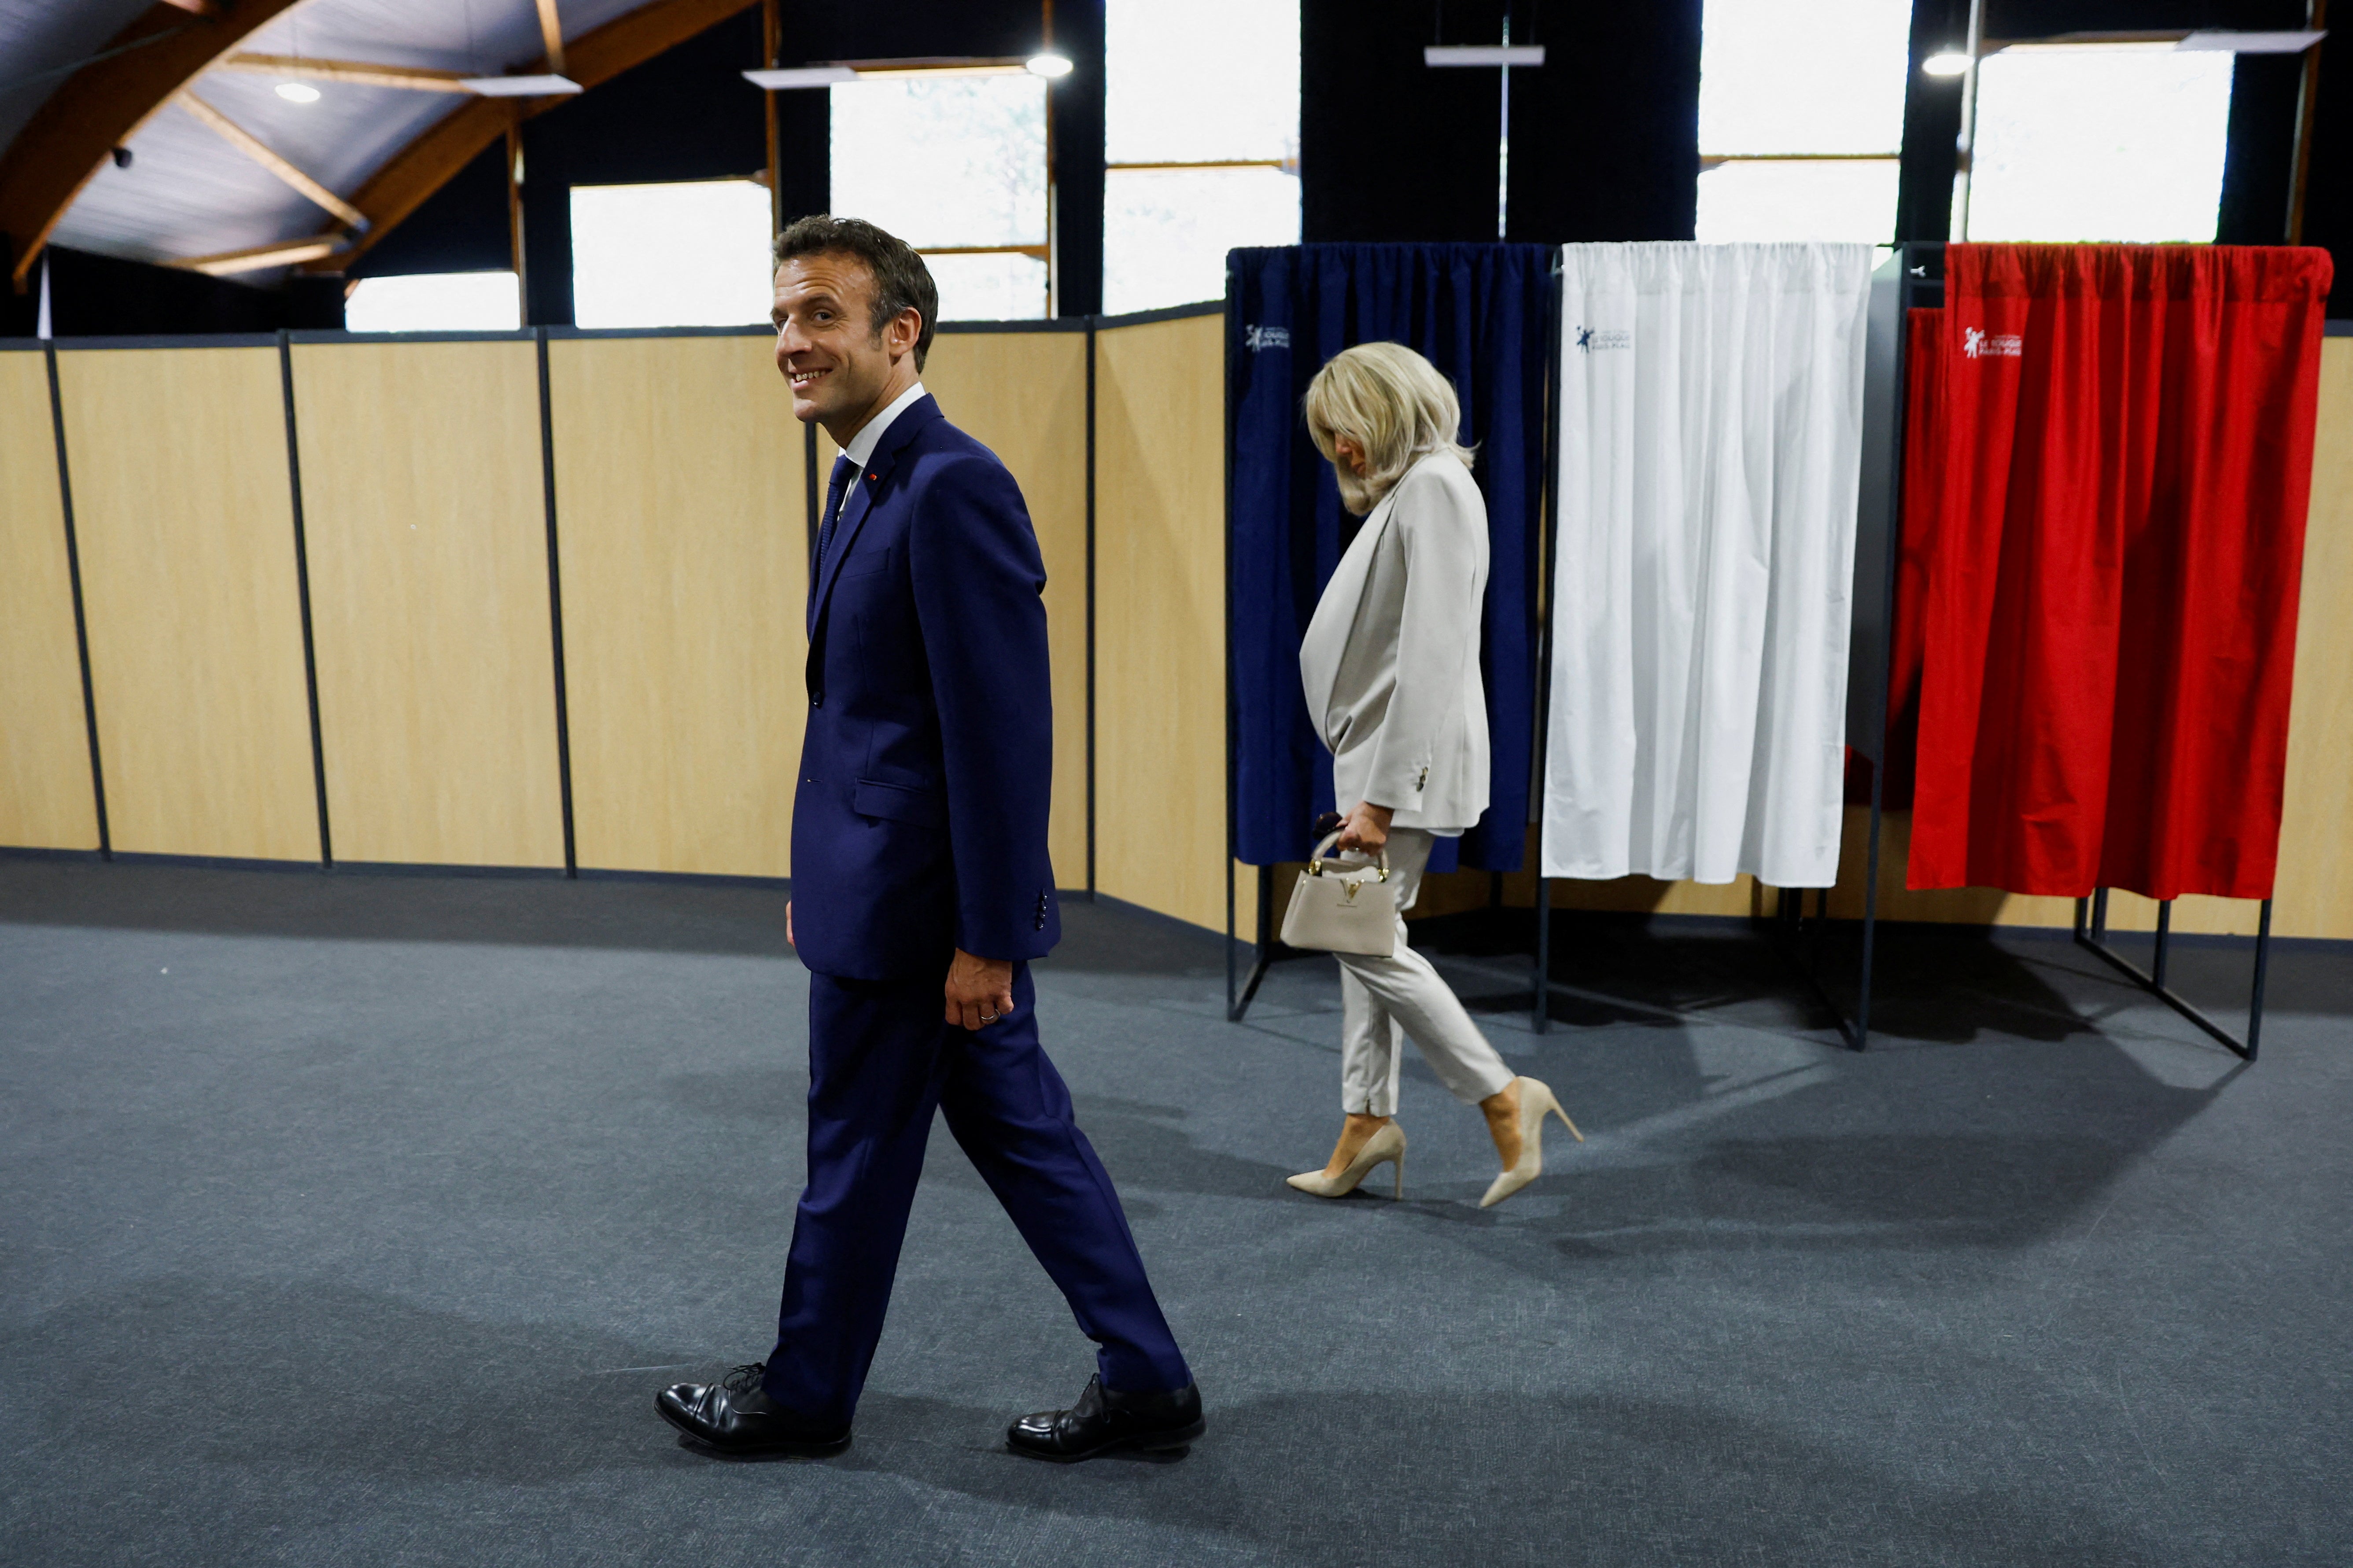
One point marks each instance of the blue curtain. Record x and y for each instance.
(1481, 314)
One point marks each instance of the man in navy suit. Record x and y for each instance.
(920, 889)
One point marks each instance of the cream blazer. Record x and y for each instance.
(1390, 663)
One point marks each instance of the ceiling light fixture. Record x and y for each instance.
(1482, 54)
(800, 76)
(835, 73)
(544, 86)
(2252, 43)
(298, 92)
(1946, 62)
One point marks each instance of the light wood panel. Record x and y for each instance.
(46, 801)
(183, 509)
(683, 533)
(1160, 694)
(2314, 896)
(426, 525)
(1024, 397)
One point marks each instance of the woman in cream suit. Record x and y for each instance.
(1390, 665)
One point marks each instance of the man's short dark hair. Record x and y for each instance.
(901, 281)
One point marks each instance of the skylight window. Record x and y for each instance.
(686, 254)
(1802, 119)
(1202, 139)
(956, 167)
(2097, 142)
(435, 303)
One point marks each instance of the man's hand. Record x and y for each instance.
(1366, 827)
(788, 924)
(979, 990)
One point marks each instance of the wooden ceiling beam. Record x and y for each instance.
(103, 105)
(359, 73)
(253, 147)
(551, 35)
(283, 253)
(403, 181)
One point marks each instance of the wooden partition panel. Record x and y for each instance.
(184, 510)
(684, 537)
(46, 801)
(426, 529)
(1024, 397)
(1160, 617)
(2315, 893)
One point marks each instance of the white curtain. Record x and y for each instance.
(1711, 442)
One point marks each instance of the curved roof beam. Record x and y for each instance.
(405, 179)
(100, 107)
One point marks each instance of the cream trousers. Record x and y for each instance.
(1382, 999)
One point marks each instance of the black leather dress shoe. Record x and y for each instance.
(736, 1417)
(1105, 1420)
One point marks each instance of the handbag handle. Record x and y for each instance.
(1315, 860)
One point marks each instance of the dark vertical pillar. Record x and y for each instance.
(1605, 133)
(803, 152)
(1077, 155)
(1389, 148)
(1931, 123)
(772, 29)
(2259, 159)
(546, 228)
(2329, 169)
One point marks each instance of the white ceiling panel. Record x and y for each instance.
(187, 192)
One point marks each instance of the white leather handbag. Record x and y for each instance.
(1336, 908)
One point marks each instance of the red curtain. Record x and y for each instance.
(2113, 539)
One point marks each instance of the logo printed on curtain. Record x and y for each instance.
(1977, 344)
(1591, 337)
(1266, 338)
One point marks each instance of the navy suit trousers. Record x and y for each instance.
(880, 1058)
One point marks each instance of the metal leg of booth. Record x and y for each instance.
(2092, 933)
(1786, 932)
(1540, 1004)
(1261, 958)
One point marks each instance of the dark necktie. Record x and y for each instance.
(842, 470)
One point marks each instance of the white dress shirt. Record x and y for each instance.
(870, 436)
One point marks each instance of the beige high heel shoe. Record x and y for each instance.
(1388, 1144)
(1536, 1102)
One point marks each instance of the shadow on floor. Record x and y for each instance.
(1933, 982)
(1341, 1479)
(289, 1383)
(529, 911)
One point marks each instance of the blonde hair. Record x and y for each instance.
(1390, 401)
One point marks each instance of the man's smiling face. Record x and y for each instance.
(835, 361)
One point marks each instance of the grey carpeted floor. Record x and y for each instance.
(355, 1219)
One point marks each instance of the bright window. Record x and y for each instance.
(691, 254)
(2079, 141)
(1202, 133)
(435, 303)
(956, 167)
(1801, 118)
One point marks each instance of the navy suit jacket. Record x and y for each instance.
(920, 821)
